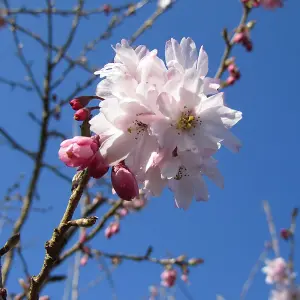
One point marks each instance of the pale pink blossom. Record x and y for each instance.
(276, 271)
(125, 63)
(285, 293)
(194, 122)
(187, 68)
(79, 151)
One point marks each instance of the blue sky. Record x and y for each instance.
(229, 231)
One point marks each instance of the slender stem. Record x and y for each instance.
(230, 44)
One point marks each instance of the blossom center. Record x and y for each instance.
(137, 127)
(182, 172)
(187, 121)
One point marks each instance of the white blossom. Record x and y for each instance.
(165, 120)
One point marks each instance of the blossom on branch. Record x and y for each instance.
(164, 121)
(276, 271)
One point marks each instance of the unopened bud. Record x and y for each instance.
(124, 182)
(195, 261)
(98, 167)
(80, 102)
(2, 22)
(3, 293)
(83, 222)
(107, 8)
(251, 24)
(285, 234)
(82, 114)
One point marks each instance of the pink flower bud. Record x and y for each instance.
(248, 45)
(124, 182)
(82, 114)
(98, 167)
(2, 22)
(84, 259)
(271, 4)
(231, 68)
(168, 277)
(231, 80)
(112, 229)
(80, 102)
(285, 234)
(82, 236)
(106, 8)
(123, 212)
(238, 37)
(79, 151)
(185, 278)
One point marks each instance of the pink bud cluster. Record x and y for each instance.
(168, 277)
(267, 4)
(79, 104)
(234, 73)
(112, 229)
(242, 36)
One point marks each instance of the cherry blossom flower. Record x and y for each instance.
(286, 293)
(164, 120)
(276, 271)
(194, 123)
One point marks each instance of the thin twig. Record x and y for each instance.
(14, 84)
(62, 12)
(253, 273)
(272, 229)
(229, 43)
(54, 245)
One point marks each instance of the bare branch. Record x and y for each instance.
(229, 43)
(14, 84)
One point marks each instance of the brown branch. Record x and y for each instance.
(54, 245)
(44, 44)
(113, 24)
(27, 202)
(63, 50)
(33, 155)
(62, 12)
(25, 63)
(229, 42)
(92, 234)
(14, 84)
(272, 229)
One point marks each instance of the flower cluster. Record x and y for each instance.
(279, 274)
(163, 122)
